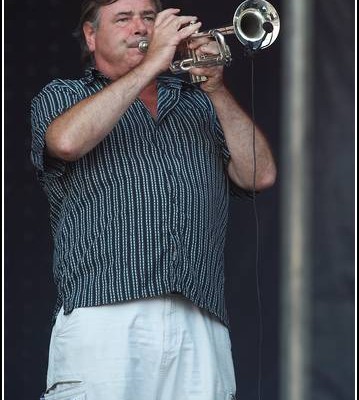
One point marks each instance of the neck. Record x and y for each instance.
(150, 90)
(149, 97)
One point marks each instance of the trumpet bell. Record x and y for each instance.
(256, 24)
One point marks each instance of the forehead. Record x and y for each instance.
(128, 6)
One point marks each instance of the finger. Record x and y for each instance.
(198, 42)
(165, 14)
(189, 30)
(199, 71)
(171, 18)
(208, 48)
(215, 71)
(183, 21)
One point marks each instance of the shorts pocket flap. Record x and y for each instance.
(66, 390)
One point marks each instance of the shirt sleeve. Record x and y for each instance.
(53, 100)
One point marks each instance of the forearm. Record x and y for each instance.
(238, 131)
(81, 128)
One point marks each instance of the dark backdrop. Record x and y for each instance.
(40, 47)
(333, 153)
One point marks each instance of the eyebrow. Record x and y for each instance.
(130, 13)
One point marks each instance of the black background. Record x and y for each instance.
(40, 47)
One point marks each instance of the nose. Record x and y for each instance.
(140, 27)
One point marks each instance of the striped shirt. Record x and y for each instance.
(145, 212)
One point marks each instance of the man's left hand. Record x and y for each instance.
(203, 47)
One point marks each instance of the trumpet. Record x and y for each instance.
(256, 25)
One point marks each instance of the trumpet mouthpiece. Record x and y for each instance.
(143, 46)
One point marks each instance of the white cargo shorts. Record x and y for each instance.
(160, 348)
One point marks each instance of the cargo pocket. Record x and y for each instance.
(66, 390)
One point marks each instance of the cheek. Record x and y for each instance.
(121, 31)
(111, 37)
(110, 44)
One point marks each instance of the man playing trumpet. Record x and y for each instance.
(137, 166)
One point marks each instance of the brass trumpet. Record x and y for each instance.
(256, 25)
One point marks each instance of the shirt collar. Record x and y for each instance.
(169, 81)
(92, 74)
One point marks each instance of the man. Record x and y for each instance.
(136, 166)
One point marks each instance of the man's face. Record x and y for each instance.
(114, 41)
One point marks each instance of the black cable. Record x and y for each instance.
(260, 318)
(251, 50)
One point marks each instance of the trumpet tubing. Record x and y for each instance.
(256, 25)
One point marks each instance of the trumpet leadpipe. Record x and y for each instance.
(228, 30)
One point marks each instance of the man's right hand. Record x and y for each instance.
(169, 31)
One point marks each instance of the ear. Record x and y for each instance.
(90, 35)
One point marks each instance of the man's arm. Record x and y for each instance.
(77, 131)
(237, 129)
(238, 132)
(74, 133)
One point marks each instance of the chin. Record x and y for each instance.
(135, 61)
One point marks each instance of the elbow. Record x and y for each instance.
(62, 151)
(61, 148)
(263, 180)
(267, 180)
